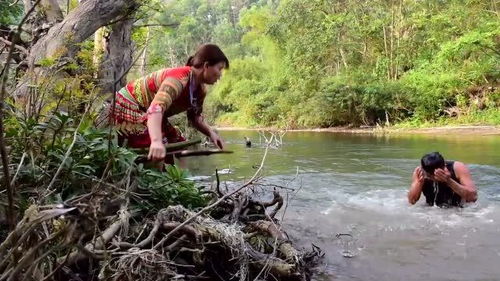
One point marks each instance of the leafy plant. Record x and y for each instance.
(94, 159)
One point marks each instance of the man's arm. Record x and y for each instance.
(466, 187)
(416, 185)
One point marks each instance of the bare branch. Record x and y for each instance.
(13, 3)
(20, 48)
(158, 24)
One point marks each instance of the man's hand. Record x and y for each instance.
(216, 139)
(418, 175)
(416, 185)
(157, 151)
(442, 175)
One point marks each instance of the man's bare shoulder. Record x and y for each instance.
(459, 165)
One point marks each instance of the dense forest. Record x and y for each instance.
(297, 63)
(319, 63)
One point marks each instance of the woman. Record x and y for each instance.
(143, 106)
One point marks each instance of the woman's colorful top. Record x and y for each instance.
(170, 91)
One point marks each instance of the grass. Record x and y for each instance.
(478, 118)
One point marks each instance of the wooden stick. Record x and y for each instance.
(19, 47)
(185, 153)
(170, 146)
(189, 153)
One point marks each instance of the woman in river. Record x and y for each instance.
(143, 106)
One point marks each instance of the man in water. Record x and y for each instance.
(444, 183)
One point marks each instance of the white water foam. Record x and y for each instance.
(393, 204)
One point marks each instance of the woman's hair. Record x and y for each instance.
(432, 161)
(208, 53)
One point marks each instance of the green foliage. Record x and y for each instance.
(358, 100)
(10, 14)
(47, 62)
(489, 116)
(318, 63)
(94, 158)
(186, 24)
(168, 188)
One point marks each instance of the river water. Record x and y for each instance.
(357, 185)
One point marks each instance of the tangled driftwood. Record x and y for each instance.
(101, 236)
(63, 243)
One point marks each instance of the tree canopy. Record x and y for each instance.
(298, 63)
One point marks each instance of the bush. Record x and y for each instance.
(95, 159)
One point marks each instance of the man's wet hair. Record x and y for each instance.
(432, 161)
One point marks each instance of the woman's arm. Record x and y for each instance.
(157, 150)
(169, 90)
(199, 123)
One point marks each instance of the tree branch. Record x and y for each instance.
(158, 24)
(13, 3)
(20, 48)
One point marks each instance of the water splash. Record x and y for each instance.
(348, 244)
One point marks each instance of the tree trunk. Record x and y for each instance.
(52, 10)
(391, 59)
(62, 39)
(98, 50)
(144, 54)
(117, 57)
(387, 54)
(80, 24)
(171, 54)
(27, 5)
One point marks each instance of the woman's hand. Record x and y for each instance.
(157, 151)
(216, 139)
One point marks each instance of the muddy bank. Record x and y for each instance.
(456, 130)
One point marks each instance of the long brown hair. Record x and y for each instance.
(208, 53)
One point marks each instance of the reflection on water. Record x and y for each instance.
(358, 184)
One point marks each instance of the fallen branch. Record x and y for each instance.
(18, 168)
(186, 153)
(99, 242)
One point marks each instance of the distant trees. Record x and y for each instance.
(295, 63)
(327, 63)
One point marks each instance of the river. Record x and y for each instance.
(357, 185)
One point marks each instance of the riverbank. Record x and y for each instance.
(456, 130)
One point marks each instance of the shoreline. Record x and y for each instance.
(455, 130)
